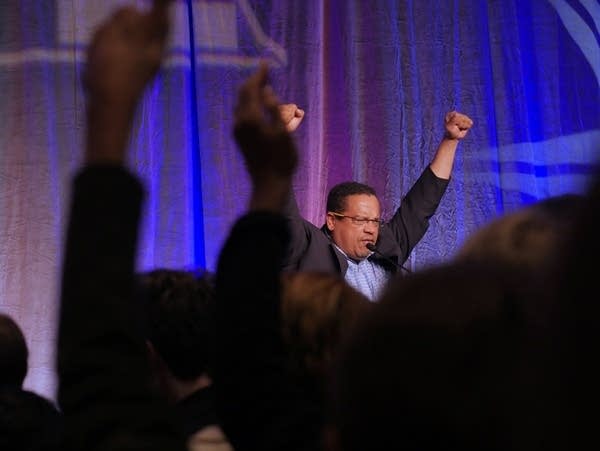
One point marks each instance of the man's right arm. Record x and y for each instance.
(300, 229)
(301, 232)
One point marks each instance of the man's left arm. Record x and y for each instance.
(456, 126)
(411, 220)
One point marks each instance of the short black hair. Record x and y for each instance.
(336, 199)
(13, 353)
(179, 319)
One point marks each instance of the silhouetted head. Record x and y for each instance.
(317, 311)
(178, 308)
(579, 317)
(13, 353)
(443, 361)
(28, 422)
(531, 238)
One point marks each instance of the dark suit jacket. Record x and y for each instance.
(311, 248)
(102, 365)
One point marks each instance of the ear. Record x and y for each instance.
(330, 221)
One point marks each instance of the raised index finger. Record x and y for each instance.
(159, 5)
(249, 93)
(158, 16)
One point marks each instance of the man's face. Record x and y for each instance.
(347, 233)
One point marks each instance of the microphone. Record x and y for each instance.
(374, 249)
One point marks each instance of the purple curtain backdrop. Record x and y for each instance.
(375, 78)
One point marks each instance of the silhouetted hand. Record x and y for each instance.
(124, 55)
(126, 52)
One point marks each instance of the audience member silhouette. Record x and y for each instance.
(13, 353)
(444, 361)
(535, 240)
(28, 421)
(104, 391)
(276, 332)
(317, 311)
(578, 313)
(179, 326)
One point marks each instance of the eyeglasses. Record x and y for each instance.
(357, 221)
